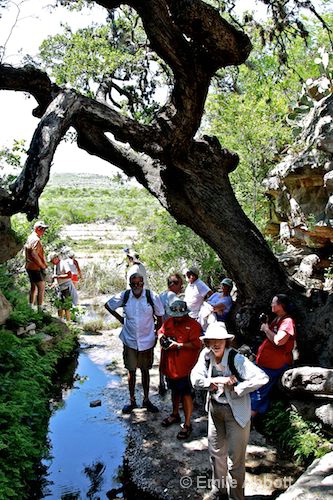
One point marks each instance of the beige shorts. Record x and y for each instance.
(134, 359)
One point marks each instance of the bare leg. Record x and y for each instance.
(68, 314)
(188, 408)
(175, 403)
(131, 377)
(41, 292)
(145, 384)
(33, 293)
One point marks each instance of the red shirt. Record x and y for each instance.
(275, 356)
(178, 363)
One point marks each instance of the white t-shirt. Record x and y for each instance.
(194, 296)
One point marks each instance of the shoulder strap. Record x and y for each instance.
(125, 298)
(231, 364)
(150, 299)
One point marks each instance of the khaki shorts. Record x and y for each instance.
(134, 359)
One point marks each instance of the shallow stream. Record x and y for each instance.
(87, 443)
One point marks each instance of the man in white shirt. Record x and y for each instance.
(196, 291)
(138, 334)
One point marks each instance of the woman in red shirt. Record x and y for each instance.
(275, 353)
(180, 340)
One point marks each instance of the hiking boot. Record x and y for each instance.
(127, 409)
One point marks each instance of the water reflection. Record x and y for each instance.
(86, 443)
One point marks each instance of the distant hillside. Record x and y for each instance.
(86, 180)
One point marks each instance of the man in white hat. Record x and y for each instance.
(228, 377)
(140, 308)
(35, 264)
(196, 291)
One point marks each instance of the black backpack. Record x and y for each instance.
(231, 364)
(148, 297)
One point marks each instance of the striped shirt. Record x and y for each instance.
(237, 396)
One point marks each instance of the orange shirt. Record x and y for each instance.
(34, 253)
(178, 363)
(275, 356)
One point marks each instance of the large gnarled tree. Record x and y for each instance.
(189, 176)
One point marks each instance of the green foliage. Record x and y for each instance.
(167, 247)
(26, 371)
(247, 109)
(302, 439)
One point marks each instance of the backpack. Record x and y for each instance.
(148, 297)
(231, 364)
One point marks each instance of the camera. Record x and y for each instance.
(166, 342)
(263, 318)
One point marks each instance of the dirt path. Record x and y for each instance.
(157, 464)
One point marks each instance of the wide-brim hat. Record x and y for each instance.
(177, 309)
(217, 331)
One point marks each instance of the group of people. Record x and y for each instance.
(196, 353)
(65, 276)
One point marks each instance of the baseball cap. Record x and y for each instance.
(228, 282)
(41, 224)
(193, 270)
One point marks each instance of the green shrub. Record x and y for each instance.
(303, 439)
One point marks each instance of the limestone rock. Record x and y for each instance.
(316, 482)
(300, 188)
(312, 379)
(5, 309)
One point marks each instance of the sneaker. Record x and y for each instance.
(150, 407)
(129, 408)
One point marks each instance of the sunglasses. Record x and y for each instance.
(136, 285)
(173, 282)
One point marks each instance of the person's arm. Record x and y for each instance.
(114, 303)
(114, 313)
(279, 338)
(159, 322)
(78, 268)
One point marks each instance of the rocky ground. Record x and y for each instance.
(157, 465)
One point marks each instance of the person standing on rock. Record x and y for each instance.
(228, 384)
(135, 266)
(180, 341)
(141, 308)
(36, 265)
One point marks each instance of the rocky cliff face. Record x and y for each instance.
(300, 189)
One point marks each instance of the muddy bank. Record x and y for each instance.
(156, 464)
